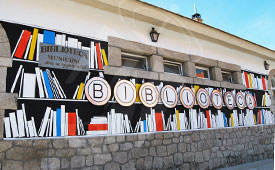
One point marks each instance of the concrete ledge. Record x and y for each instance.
(3, 35)
(207, 82)
(203, 61)
(114, 58)
(228, 66)
(237, 77)
(5, 62)
(8, 101)
(131, 46)
(129, 72)
(156, 63)
(216, 73)
(175, 56)
(175, 78)
(189, 69)
(5, 49)
(229, 85)
(3, 76)
(2, 114)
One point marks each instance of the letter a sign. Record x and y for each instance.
(98, 91)
(148, 94)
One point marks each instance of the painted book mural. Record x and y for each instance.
(63, 91)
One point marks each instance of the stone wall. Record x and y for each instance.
(197, 149)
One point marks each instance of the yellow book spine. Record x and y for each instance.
(232, 122)
(104, 57)
(196, 87)
(80, 90)
(33, 43)
(254, 119)
(250, 81)
(264, 100)
(178, 119)
(137, 89)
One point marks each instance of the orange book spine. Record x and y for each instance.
(208, 119)
(100, 66)
(159, 123)
(71, 124)
(92, 127)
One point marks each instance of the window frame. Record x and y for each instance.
(206, 69)
(127, 56)
(227, 72)
(173, 63)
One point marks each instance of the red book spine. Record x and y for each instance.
(71, 124)
(159, 123)
(208, 119)
(22, 44)
(246, 80)
(260, 117)
(92, 127)
(264, 86)
(100, 66)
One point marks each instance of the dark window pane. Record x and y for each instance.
(139, 63)
(171, 68)
(227, 77)
(273, 82)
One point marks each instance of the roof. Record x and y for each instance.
(149, 13)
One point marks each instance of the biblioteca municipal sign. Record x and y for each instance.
(56, 56)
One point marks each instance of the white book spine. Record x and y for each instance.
(20, 121)
(63, 120)
(28, 48)
(39, 40)
(77, 122)
(39, 82)
(34, 127)
(92, 55)
(21, 83)
(51, 123)
(30, 125)
(14, 127)
(7, 127)
(45, 121)
(75, 93)
(95, 58)
(59, 85)
(16, 78)
(44, 85)
(54, 123)
(29, 84)
(25, 120)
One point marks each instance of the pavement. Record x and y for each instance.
(267, 164)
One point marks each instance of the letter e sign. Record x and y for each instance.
(229, 100)
(240, 100)
(125, 93)
(98, 91)
(148, 94)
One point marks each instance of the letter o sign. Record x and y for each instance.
(203, 98)
(148, 95)
(187, 97)
(240, 100)
(216, 98)
(229, 100)
(125, 93)
(169, 96)
(98, 91)
(250, 102)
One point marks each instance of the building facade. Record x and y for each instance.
(187, 53)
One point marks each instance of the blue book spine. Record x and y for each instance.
(262, 116)
(49, 37)
(257, 83)
(224, 120)
(58, 122)
(47, 83)
(144, 124)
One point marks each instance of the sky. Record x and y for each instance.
(253, 20)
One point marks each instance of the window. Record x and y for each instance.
(227, 76)
(134, 61)
(202, 72)
(172, 67)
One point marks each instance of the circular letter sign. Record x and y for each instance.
(125, 93)
(250, 102)
(203, 98)
(240, 100)
(98, 91)
(216, 99)
(169, 96)
(187, 97)
(148, 94)
(229, 100)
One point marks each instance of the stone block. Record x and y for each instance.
(131, 46)
(158, 162)
(182, 147)
(114, 56)
(206, 82)
(3, 35)
(50, 163)
(120, 138)
(96, 141)
(161, 150)
(158, 136)
(167, 141)
(111, 166)
(229, 85)
(16, 165)
(65, 163)
(126, 146)
(41, 144)
(130, 72)
(77, 161)
(168, 162)
(156, 63)
(8, 101)
(2, 115)
(32, 165)
(178, 159)
(85, 151)
(141, 137)
(237, 77)
(175, 78)
(201, 61)
(77, 143)
(172, 148)
(5, 49)
(131, 138)
(228, 66)
(60, 143)
(206, 155)
(24, 143)
(20, 153)
(189, 69)
(101, 159)
(120, 157)
(139, 144)
(129, 166)
(152, 151)
(110, 139)
(188, 157)
(113, 147)
(198, 157)
(65, 153)
(216, 73)
(3, 76)
(5, 62)
(156, 142)
(173, 55)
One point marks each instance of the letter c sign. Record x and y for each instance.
(98, 91)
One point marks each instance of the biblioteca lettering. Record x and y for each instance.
(98, 92)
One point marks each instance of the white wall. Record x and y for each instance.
(74, 18)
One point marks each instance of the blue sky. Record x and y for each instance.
(253, 20)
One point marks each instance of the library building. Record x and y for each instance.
(123, 84)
